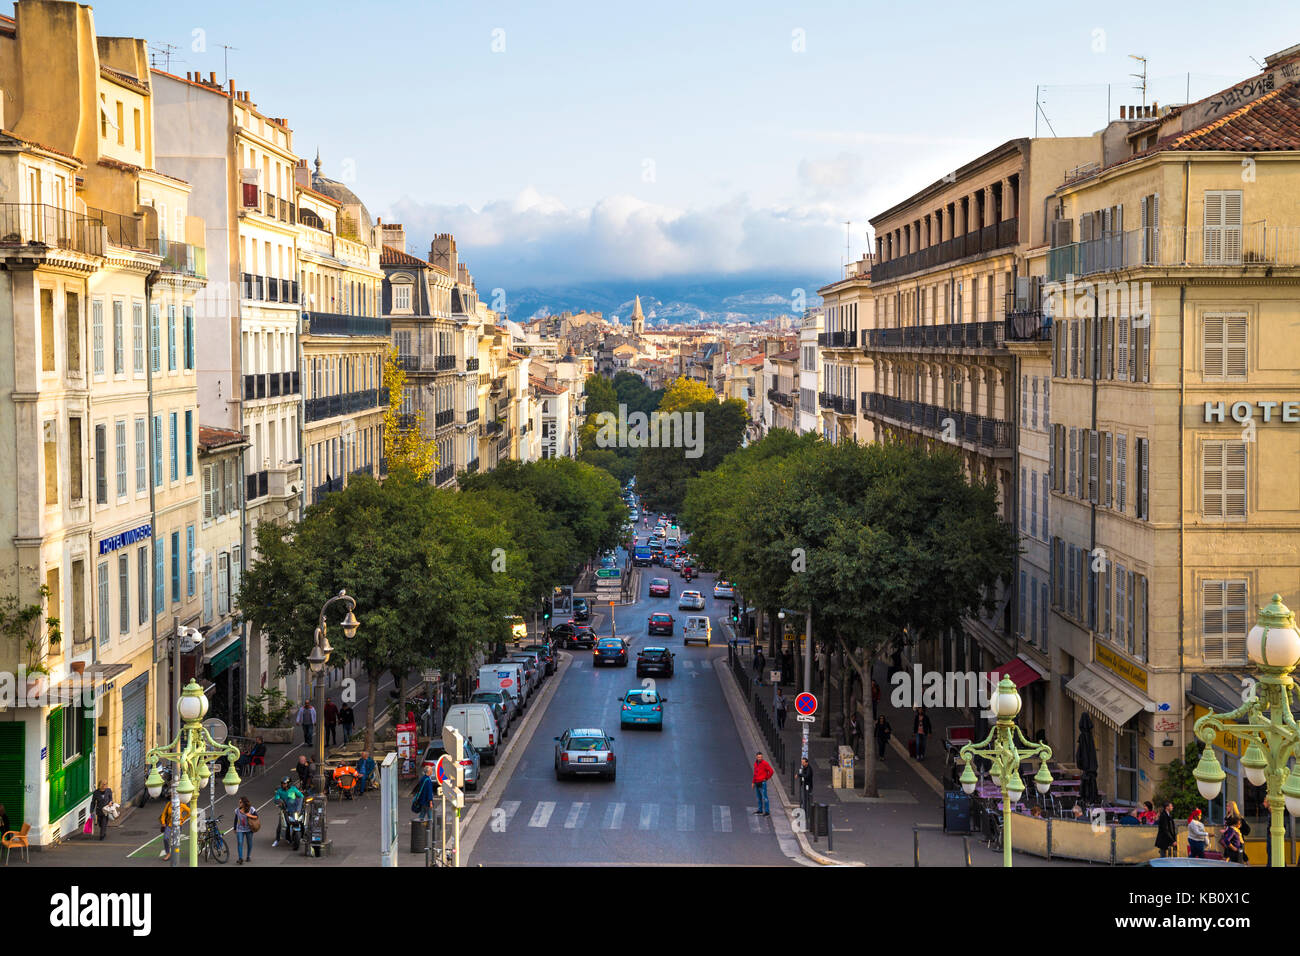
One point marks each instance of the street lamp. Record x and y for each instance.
(1001, 748)
(319, 659)
(191, 751)
(1264, 721)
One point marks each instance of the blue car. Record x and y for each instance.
(642, 708)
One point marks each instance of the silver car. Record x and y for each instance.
(532, 673)
(584, 751)
(690, 601)
(504, 706)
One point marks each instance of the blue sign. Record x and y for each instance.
(44, 751)
(142, 533)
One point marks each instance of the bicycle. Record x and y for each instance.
(212, 843)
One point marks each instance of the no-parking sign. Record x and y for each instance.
(806, 704)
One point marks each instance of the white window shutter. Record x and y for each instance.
(1234, 470)
(1235, 346)
(1212, 346)
(1121, 469)
(1108, 468)
(1235, 621)
(1212, 479)
(1122, 361)
(1212, 600)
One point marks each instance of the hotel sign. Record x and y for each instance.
(1242, 412)
(142, 533)
(1126, 669)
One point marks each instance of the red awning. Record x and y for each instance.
(1019, 671)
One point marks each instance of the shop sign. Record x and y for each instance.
(1107, 658)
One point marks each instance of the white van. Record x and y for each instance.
(477, 725)
(490, 677)
(697, 628)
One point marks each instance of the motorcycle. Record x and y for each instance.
(291, 821)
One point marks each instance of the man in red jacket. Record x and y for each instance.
(762, 774)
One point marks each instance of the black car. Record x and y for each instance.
(654, 660)
(581, 610)
(573, 635)
(546, 653)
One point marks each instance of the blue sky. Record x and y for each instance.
(564, 142)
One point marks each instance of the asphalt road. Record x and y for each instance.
(682, 796)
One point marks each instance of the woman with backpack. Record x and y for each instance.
(246, 824)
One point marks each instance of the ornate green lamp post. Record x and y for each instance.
(1000, 747)
(1264, 721)
(318, 660)
(191, 752)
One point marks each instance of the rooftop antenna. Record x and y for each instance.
(1039, 94)
(847, 224)
(164, 51)
(225, 60)
(1142, 77)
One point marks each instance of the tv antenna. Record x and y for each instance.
(1141, 77)
(225, 59)
(847, 225)
(164, 52)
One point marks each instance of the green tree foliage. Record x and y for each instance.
(605, 397)
(685, 393)
(663, 473)
(1179, 786)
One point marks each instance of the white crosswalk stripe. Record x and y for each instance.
(707, 665)
(722, 819)
(511, 807)
(614, 816)
(577, 816)
(542, 815)
(689, 665)
(686, 817)
(649, 816)
(757, 823)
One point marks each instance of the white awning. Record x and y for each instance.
(1107, 698)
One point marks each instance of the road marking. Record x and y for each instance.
(707, 665)
(686, 817)
(649, 816)
(689, 665)
(722, 819)
(614, 816)
(542, 815)
(511, 807)
(758, 823)
(577, 816)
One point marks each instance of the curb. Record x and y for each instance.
(749, 730)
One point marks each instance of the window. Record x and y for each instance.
(1106, 575)
(141, 462)
(157, 452)
(119, 443)
(209, 492)
(1223, 620)
(402, 297)
(101, 464)
(72, 322)
(1107, 469)
(1143, 449)
(189, 338)
(174, 443)
(96, 336)
(236, 569)
(207, 589)
(1071, 595)
(119, 339)
(1045, 498)
(1121, 605)
(137, 337)
(1121, 473)
(1024, 480)
(189, 561)
(78, 601)
(1074, 349)
(1024, 587)
(159, 588)
(1122, 361)
(123, 592)
(189, 443)
(1093, 455)
(223, 583)
(1222, 226)
(1047, 404)
(176, 566)
(1033, 403)
(1073, 487)
(155, 342)
(1138, 619)
(101, 587)
(121, 125)
(1033, 611)
(1223, 344)
(75, 460)
(1043, 610)
(171, 338)
(142, 583)
(1033, 502)
(1223, 479)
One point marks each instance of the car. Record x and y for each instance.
(661, 623)
(585, 750)
(642, 556)
(609, 650)
(724, 589)
(654, 660)
(581, 610)
(546, 653)
(508, 675)
(642, 706)
(609, 561)
(478, 725)
(470, 760)
(659, 587)
(697, 628)
(532, 675)
(537, 657)
(678, 561)
(502, 704)
(574, 635)
(690, 601)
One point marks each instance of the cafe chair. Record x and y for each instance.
(16, 839)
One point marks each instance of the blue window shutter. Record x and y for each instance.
(175, 469)
(157, 451)
(159, 547)
(189, 561)
(176, 566)
(189, 443)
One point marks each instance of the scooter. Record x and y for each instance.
(291, 819)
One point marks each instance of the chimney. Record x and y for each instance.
(232, 90)
(444, 243)
(394, 234)
(212, 78)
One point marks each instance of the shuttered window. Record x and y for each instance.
(1122, 361)
(1222, 225)
(1223, 343)
(209, 495)
(1142, 447)
(1093, 453)
(1106, 575)
(1058, 574)
(1223, 620)
(1223, 479)
(1107, 469)
(1121, 603)
(1073, 487)
(1151, 229)
(1071, 583)
(1139, 647)
(1121, 473)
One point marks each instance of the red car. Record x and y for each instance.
(659, 587)
(661, 623)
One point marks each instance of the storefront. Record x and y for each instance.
(1121, 710)
(223, 672)
(1221, 693)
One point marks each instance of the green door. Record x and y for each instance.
(13, 759)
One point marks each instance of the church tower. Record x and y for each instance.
(638, 318)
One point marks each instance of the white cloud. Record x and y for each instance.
(535, 239)
(832, 177)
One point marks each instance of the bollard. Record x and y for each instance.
(417, 836)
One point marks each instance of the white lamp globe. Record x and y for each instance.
(1006, 701)
(1273, 641)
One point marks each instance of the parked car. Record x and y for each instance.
(478, 725)
(546, 653)
(506, 675)
(581, 610)
(584, 750)
(659, 587)
(532, 674)
(654, 660)
(471, 761)
(610, 650)
(660, 623)
(641, 706)
(503, 707)
(538, 655)
(690, 601)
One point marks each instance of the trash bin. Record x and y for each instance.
(417, 835)
(821, 821)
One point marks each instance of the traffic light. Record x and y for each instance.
(735, 614)
(546, 610)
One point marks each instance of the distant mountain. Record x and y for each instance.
(674, 301)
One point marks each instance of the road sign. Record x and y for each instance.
(217, 728)
(806, 704)
(805, 718)
(455, 797)
(609, 573)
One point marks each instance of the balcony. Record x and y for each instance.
(843, 339)
(444, 418)
(320, 491)
(471, 365)
(777, 397)
(988, 239)
(281, 480)
(336, 323)
(471, 416)
(1235, 246)
(825, 400)
(955, 335)
(268, 289)
(493, 429)
(472, 465)
(331, 406)
(947, 425)
(270, 385)
(122, 229)
(444, 363)
(406, 420)
(255, 486)
(37, 225)
(498, 383)
(444, 474)
(844, 405)
(408, 363)
(181, 258)
(383, 467)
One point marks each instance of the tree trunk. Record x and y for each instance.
(372, 692)
(863, 669)
(399, 715)
(825, 704)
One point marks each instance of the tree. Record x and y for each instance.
(22, 624)
(405, 447)
(686, 392)
(717, 429)
(1179, 786)
(601, 396)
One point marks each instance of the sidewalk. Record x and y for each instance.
(877, 831)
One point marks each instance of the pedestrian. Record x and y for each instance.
(875, 699)
(423, 802)
(883, 733)
(258, 750)
(805, 783)
(331, 723)
(1148, 816)
(779, 706)
(246, 824)
(99, 803)
(171, 831)
(759, 662)
(762, 774)
(1231, 843)
(365, 770)
(1167, 832)
(304, 773)
(854, 734)
(787, 666)
(347, 720)
(1197, 838)
(921, 729)
(307, 717)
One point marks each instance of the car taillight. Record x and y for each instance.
(564, 758)
(626, 707)
(466, 763)
(611, 757)
(492, 740)
(659, 707)
(476, 683)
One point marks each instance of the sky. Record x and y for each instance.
(571, 142)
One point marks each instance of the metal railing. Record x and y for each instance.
(843, 339)
(444, 474)
(954, 335)
(471, 365)
(408, 363)
(444, 418)
(122, 229)
(383, 467)
(268, 289)
(997, 236)
(181, 258)
(493, 428)
(471, 416)
(951, 425)
(472, 465)
(444, 363)
(340, 323)
(270, 384)
(33, 224)
(824, 400)
(255, 486)
(330, 406)
(778, 397)
(1254, 244)
(321, 490)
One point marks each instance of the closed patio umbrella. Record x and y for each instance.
(1085, 757)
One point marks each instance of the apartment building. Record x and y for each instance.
(781, 375)
(1175, 395)
(846, 371)
(343, 339)
(217, 562)
(807, 412)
